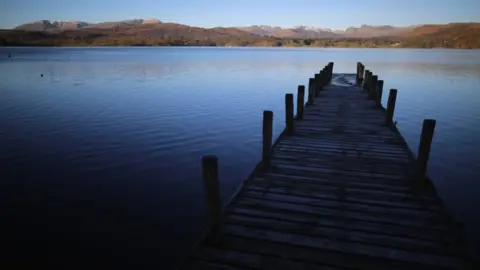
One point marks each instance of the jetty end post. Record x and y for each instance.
(378, 95)
(267, 138)
(300, 101)
(362, 72)
(311, 92)
(212, 193)
(426, 138)
(392, 98)
(289, 113)
(372, 87)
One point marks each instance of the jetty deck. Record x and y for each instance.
(340, 189)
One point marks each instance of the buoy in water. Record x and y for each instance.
(41, 75)
(9, 55)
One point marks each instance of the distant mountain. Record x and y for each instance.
(153, 32)
(46, 25)
(295, 32)
(364, 31)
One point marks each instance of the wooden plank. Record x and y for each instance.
(343, 171)
(374, 210)
(319, 194)
(349, 224)
(342, 234)
(323, 212)
(342, 246)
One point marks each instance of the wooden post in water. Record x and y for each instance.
(289, 113)
(361, 74)
(425, 145)
(372, 87)
(300, 101)
(311, 93)
(330, 71)
(392, 98)
(318, 84)
(267, 138)
(357, 79)
(365, 82)
(378, 95)
(212, 192)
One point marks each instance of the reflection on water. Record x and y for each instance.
(103, 152)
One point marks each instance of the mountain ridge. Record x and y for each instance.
(140, 32)
(300, 31)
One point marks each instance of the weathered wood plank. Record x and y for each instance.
(341, 203)
(349, 224)
(342, 246)
(336, 233)
(340, 259)
(258, 203)
(315, 192)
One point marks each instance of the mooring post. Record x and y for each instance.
(372, 87)
(378, 95)
(330, 73)
(300, 101)
(323, 78)
(392, 98)
(365, 82)
(357, 79)
(311, 93)
(318, 84)
(267, 138)
(212, 193)
(289, 113)
(362, 70)
(425, 144)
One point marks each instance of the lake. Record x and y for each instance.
(101, 155)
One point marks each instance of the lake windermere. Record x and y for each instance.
(101, 155)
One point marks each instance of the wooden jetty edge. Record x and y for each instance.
(339, 189)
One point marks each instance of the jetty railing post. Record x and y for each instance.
(310, 90)
(378, 95)
(318, 84)
(289, 113)
(392, 98)
(300, 101)
(362, 70)
(365, 81)
(212, 193)
(372, 87)
(424, 147)
(358, 72)
(330, 71)
(267, 138)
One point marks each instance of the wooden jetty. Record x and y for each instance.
(339, 189)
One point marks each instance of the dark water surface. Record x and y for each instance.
(100, 157)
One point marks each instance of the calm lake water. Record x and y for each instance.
(101, 156)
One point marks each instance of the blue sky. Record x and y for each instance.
(335, 14)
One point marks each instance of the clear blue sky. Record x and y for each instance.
(336, 14)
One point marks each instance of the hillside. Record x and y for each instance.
(155, 33)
